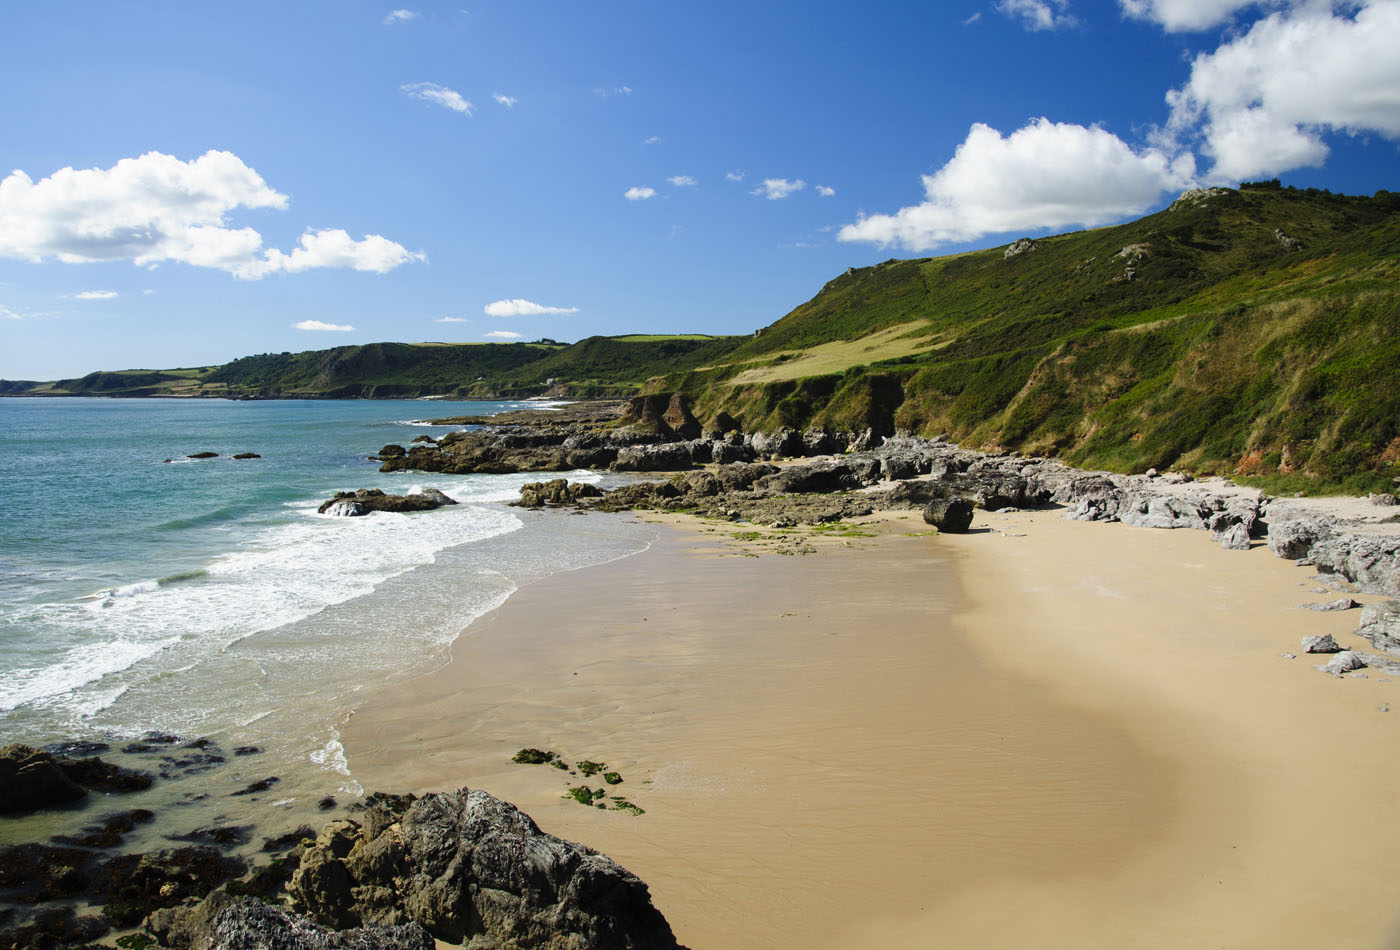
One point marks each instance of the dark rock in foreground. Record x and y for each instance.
(468, 866)
(362, 502)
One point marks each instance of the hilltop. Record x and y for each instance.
(1246, 331)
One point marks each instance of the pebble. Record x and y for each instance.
(1289, 656)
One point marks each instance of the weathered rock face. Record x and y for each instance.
(362, 502)
(1380, 624)
(468, 866)
(949, 515)
(224, 922)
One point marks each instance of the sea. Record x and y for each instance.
(199, 620)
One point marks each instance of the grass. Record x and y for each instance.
(839, 355)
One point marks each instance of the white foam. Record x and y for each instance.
(79, 666)
(332, 756)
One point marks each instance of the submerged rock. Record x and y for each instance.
(31, 779)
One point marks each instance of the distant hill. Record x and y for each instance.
(1253, 332)
(597, 366)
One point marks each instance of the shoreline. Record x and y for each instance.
(1024, 754)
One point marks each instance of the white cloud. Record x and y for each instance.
(1037, 14)
(503, 335)
(400, 16)
(1264, 99)
(735, 176)
(95, 295)
(1045, 175)
(639, 193)
(451, 320)
(972, 19)
(156, 208)
(683, 181)
(775, 188)
(438, 96)
(319, 325)
(651, 140)
(523, 308)
(148, 292)
(505, 100)
(9, 314)
(332, 247)
(1176, 16)
(825, 191)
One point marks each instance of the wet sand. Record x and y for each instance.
(1047, 734)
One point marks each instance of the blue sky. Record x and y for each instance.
(184, 184)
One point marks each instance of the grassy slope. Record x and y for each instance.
(1211, 343)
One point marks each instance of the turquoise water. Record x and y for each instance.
(207, 597)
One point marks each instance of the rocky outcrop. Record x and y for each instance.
(557, 491)
(469, 867)
(354, 504)
(31, 779)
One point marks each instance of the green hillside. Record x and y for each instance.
(1254, 331)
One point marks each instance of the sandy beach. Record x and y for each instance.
(1042, 733)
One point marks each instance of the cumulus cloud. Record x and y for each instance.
(639, 193)
(505, 100)
(775, 188)
(683, 181)
(400, 16)
(1045, 175)
(522, 308)
(825, 191)
(95, 295)
(157, 208)
(1177, 16)
(735, 176)
(451, 320)
(1264, 100)
(503, 335)
(1037, 14)
(438, 96)
(320, 325)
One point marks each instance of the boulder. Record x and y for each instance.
(392, 452)
(1234, 538)
(1294, 539)
(473, 869)
(1343, 662)
(1325, 643)
(949, 515)
(362, 502)
(741, 476)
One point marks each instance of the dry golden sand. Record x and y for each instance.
(1048, 734)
